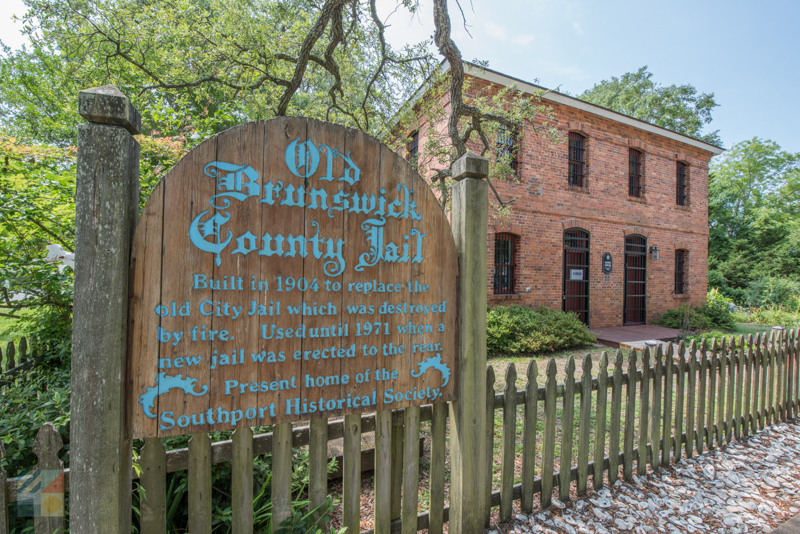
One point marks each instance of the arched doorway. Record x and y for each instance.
(576, 273)
(635, 280)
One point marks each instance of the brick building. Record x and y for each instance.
(616, 189)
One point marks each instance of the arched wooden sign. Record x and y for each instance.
(288, 270)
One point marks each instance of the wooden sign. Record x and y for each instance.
(288, 270)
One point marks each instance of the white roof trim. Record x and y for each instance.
(502, 79)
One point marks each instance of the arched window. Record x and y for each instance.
(634, 173)
(505, 263)
(680, 271)
(576, 273)
(576, 156)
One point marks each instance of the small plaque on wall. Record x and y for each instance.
(576, 274)
(608, 263)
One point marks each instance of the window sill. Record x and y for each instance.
(505, 296)
(683, 208)
(682, 296)
(637, 200)
(576, 189)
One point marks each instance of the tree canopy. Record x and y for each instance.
(679, 108)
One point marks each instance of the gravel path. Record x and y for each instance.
(749, 486)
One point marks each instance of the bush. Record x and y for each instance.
(714, 334)
(771, 315)
(518, 329)
(717, 313)
(773, 291)
(675, 318)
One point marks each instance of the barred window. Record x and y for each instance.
(506, 145)
(634, 173)
(505, 263)
(413, 147)
(680, 189)
(680, 272)
(576, 159)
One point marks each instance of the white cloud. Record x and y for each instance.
(524, 39)
(495, 30)
(577, 28)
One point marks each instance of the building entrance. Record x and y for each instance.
(576, 273)
(635, 280)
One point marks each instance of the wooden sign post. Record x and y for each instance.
(289, 270)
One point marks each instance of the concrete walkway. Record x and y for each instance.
(746, 487)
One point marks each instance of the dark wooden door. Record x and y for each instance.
(635, 279)
(576, 273)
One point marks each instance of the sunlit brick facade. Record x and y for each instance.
(570, 214)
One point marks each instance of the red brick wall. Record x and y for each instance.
(546, 206)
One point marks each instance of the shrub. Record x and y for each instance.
(675, 318)
(733, 341)
(773, 291)
(771, 315)
(715, 313)
(518, 329)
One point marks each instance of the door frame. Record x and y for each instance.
(625, 284)
(587, 266)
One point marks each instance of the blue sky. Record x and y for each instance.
(743, 52)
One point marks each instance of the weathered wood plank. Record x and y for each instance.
(630, 414)
(690, 400)
(712, 395)
(153, 487)
(437, 469)
(732, 364)
(666, 428)
(600, 432)
(763, 412)
(281, 474)
(738, 422)
(656, 408)
(46, 446)
(383, 472)
(397, 465)
(747, 406)
(721, 392)
(318, 462)
(796, 359)
(702, 380)
(509, 437)
(410, 471)
(680, 392)
(757, 364)
(351, 471)
(567, 424)
(199, 484)
(548, 453)
(644, 414)
(789, 400)
(489, 443)
(242, 481)
(584, 427)
(778, 362)
(771, 414)
(529, 436)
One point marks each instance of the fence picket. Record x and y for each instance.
(46, 446)
(756, 408)
(796, 359)
(318, 462)
(153, 487)
(702, 379)
(779, 369)
(23, 350)
(1, 367)
(600, 423)
(509, 437)
(656, 408)
(763, 416)
(789, 406)
(772, 412)
(567, 427)
(584, 414)
(548, 454)
(351, 470)
(438, 438)
(722, 391)
(781, 385)
(529, 436)
(679, 395)
(281, 473)
(740, 365)
(383, 473)
(10, 363)
(690, 399)
(3, 497)
(732, 364)
(616, 414)
(199, 484)
(747, 406)
(410, 472)
(242, 481)
(630, 411)
(489, 440)
(644, 414)
(666, 429)
(711, 425)
(397, 469)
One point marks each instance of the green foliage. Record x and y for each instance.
(676, 107)
(684, 316)
(773, 291)
(732, 341)
(715, 313)
(518, 329)
(718, 310)
(771, 315)
(310, 522)
(754, 216)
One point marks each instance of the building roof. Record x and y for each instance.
(570, 101)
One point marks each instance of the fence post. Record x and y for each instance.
(107, 200)
(3, 496)
(46, 446)
(470, 218)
